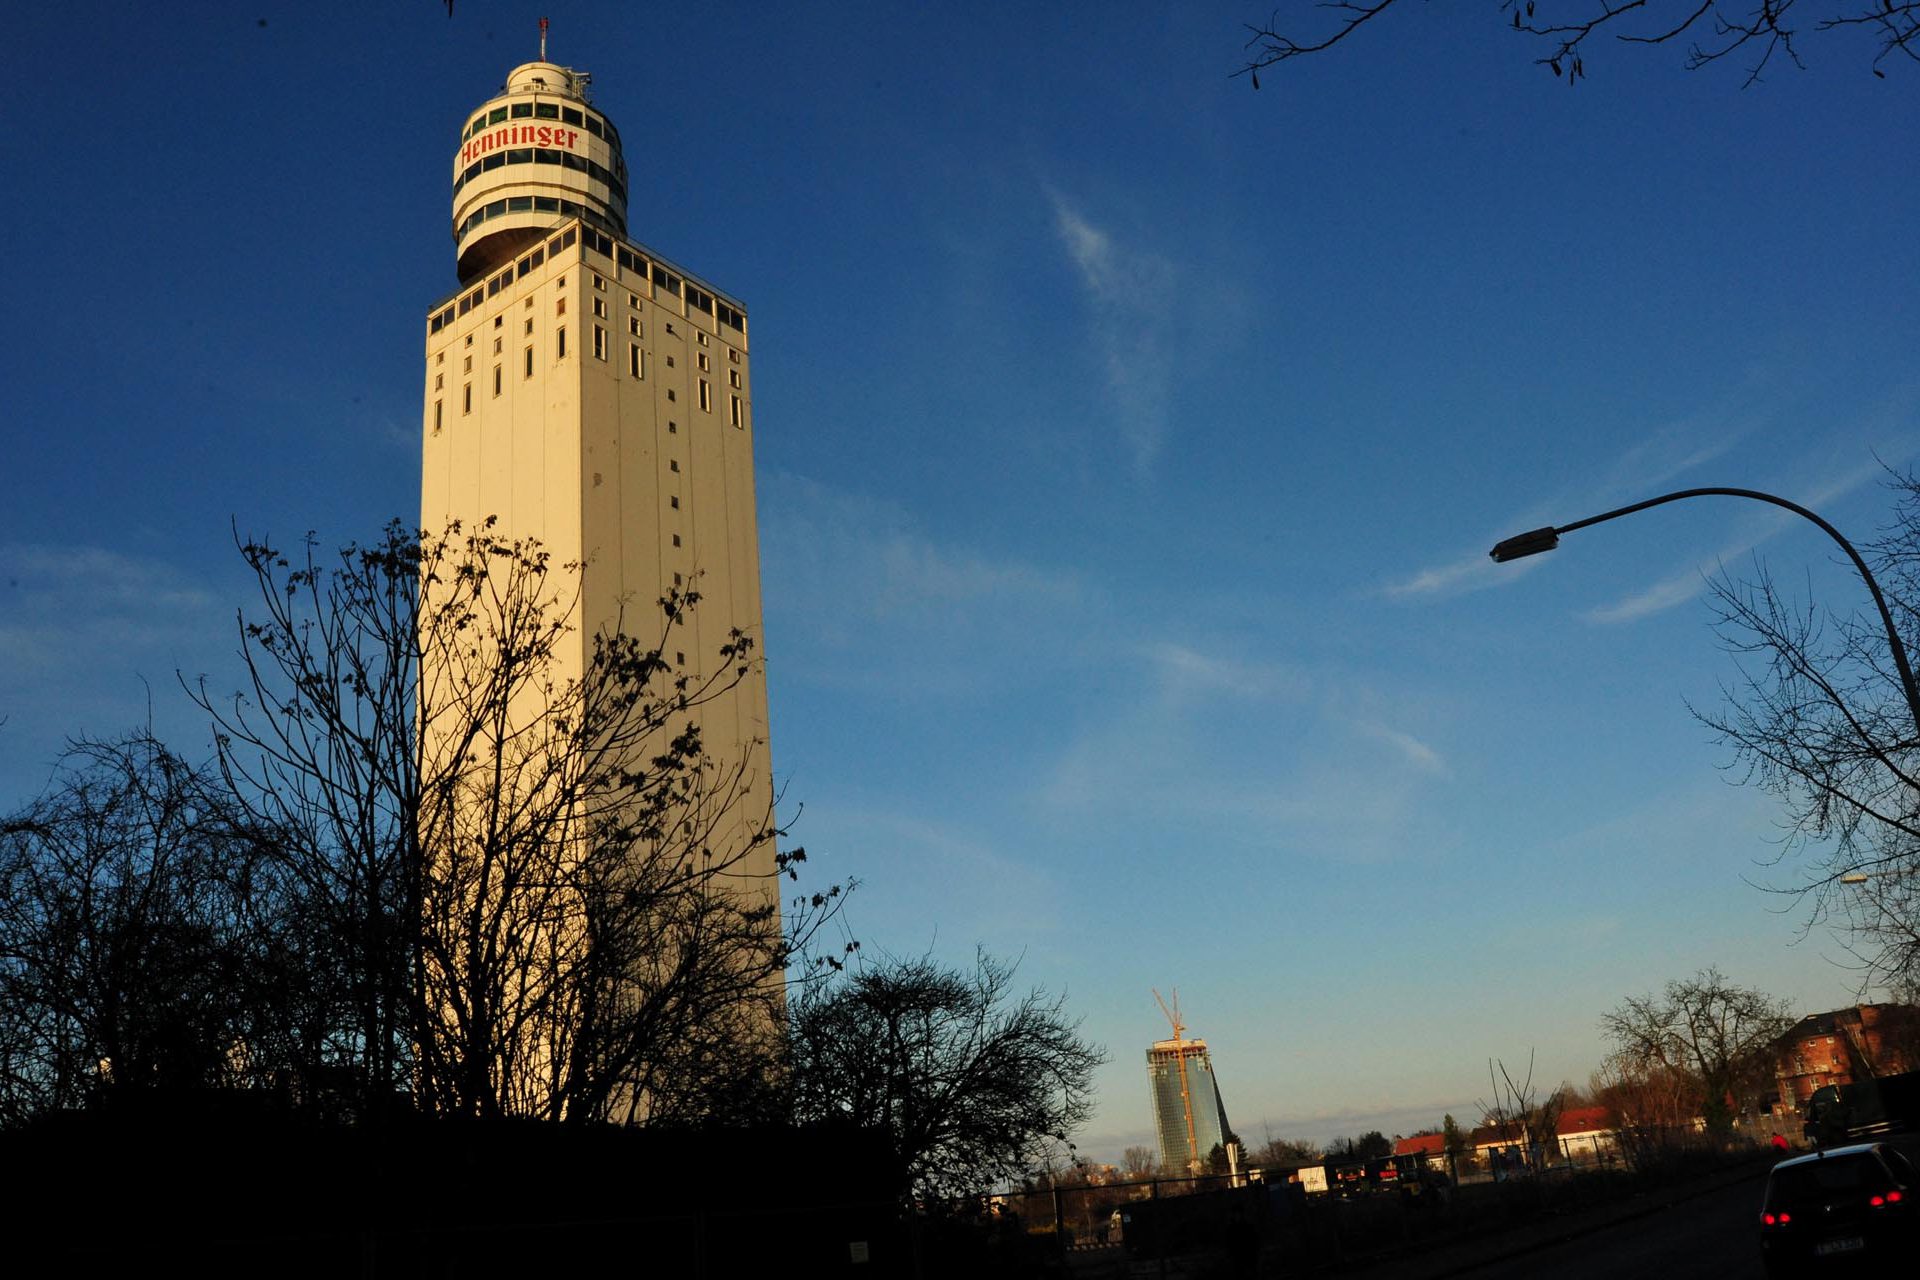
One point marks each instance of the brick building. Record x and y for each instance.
(1845, 1045)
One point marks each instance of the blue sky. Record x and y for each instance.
(1129, 446)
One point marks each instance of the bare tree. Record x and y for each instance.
(1139, 1162)
(534, 877)
(1287, 1153)
(1561, 32)
(1717, 1035)
(1820, 718)
(1518, 1113)
(970, 1083)
(129, 952)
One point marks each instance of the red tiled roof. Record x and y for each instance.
(1421, 1144)
(1584, 1120)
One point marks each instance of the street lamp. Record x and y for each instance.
(1534, 541)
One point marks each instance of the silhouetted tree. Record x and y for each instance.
(1370, 1145)
(970, 1082)
(131, 949)
(1457, 1141)
(1707, 1029)
(1821, 719)
(1561, 31)
(1287, 1153)
(525, 885)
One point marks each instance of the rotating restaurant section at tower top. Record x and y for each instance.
(534, 153)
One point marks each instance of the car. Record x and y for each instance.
(1841, 1209)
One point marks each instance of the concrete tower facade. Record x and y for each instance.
(584, 391)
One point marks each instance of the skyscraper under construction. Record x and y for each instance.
(1188, 1112)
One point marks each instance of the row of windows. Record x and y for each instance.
(598, 126)
(696, 297)
(526, 264)
(539, 204)
(636, 367)
(613, 251)
(544, 155)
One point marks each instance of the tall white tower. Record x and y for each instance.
(587, 392)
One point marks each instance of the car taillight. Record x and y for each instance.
(1891, 1197)
(1776, 1219)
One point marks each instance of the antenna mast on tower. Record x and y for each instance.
(543, 39)
(1180, 1061)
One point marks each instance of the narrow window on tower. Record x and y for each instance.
(529, 328)
(598, 283)
(676, 539)
(673, 428)
(704, 366)
(469, 365)
(436, 417)
(560, 307)
(670, 394)
(735, 412)
(496, 380)
(674, 502)
(706, 396)
(669, 362)
(676, 579)
(599, 343)
(439, 381)
(633, 326)
(560, 343)
(673, 464)
(600, 307)
(466, 398)
(636, 360)
(700, 338)
(733, 377)
(496, 346)
(529, 372)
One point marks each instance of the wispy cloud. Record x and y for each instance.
(1125, 291)
(833, 555)
(1213, 746)
(66, 608)
(1186, 672)
(1644, 468)
(1472, 571)
(1416, 752)
(1658, 598)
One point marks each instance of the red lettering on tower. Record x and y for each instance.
(545, 135)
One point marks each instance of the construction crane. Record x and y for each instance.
(1180, 1060)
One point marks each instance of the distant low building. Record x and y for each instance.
(1585, 1132)
(1432, 1147)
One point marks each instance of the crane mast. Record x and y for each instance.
(1180, 1062)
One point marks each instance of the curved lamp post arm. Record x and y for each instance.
(1535, 541)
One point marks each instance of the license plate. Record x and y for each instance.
(1845, 1244)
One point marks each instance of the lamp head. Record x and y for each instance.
(1530, 543)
